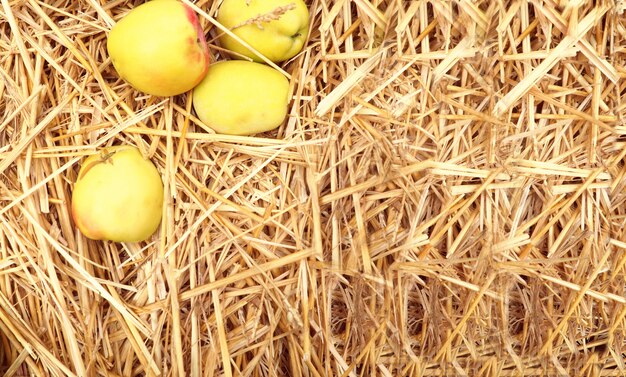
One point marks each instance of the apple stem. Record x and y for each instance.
(105, 156)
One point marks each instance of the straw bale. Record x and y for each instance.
(446, 198)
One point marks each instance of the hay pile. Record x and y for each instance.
(447, 197)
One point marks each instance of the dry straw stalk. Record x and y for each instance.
(447, 197)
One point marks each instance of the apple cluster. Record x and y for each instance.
(160, 49)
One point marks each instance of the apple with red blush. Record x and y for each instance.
(159, 48)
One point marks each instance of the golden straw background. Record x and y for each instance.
(446, 198)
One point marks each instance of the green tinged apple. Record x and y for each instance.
(239, 97)
(275, 28)
(118, 196)
(159, 48)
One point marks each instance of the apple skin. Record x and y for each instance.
(159, 48)
(239, 97)
(278, 40)
(118, 196)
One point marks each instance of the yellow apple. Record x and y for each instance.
(118, 196)
(275, 28)
(159, 48)
(239, 97)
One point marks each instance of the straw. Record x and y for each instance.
(446, 197)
